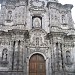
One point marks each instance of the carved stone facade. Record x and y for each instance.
(35, 28)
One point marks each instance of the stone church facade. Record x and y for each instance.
(36, 38)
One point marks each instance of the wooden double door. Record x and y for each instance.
(37, 65)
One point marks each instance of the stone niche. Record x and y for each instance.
(36, 22)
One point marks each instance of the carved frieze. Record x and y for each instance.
(37, 3)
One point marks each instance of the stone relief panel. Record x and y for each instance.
(42, 50)
(4, 41)
(37, 3)
(38, 38)
(19, 16)
(54, 17)
(10, 4)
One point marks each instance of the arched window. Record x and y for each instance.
(4, 54)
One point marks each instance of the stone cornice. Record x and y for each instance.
(66, 6)
(17, 31)
(14, 32)
(57, 33)
(53, 3)
(4, 33)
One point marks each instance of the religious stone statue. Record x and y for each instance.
(68, 58)
(37, 22)
(4, 55)
(9, 15)
(37, 41)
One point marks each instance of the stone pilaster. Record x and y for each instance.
(58, 66)
(11, 55)
(16, 56)
(21, 55)
(54, 64)
(59, 57)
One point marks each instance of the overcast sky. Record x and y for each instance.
(69, 2)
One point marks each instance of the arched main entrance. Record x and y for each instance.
(37, 65)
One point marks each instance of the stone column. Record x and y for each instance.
(16, 56)
(53, 59)
(11, 55)
(59, 59)
(16, 46)
(21, 55)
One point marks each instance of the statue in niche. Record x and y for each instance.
(68, 58)
(4, 54)
(37, 41)
(9, 16)
(36, 22)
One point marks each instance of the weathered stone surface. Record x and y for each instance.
(29, 27)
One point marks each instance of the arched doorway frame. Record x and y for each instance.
(46, 61)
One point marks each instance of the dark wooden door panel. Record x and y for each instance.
(33, 67)
(37, 65)
(32, 74)
(40, 67)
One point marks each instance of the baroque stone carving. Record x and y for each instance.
(4, 54)
(68, 58)
(9, 16)
(36, 29)
(36, 22)
(38, 39)
(37, 3)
